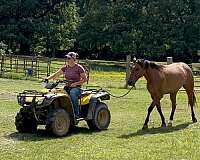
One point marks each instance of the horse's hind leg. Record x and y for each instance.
(173, 100)
(158, 106)
(191, 100)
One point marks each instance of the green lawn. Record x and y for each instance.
(124, 138)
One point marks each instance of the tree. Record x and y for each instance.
(146, 28)
(59, 31)
(39, 25)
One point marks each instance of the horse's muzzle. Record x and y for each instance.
(131, 83)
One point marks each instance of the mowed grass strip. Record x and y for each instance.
(123, 140)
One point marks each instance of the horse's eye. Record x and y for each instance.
(136, 69)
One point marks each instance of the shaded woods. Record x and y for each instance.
(101, 29)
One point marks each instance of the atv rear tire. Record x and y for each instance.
(25, 122)
(58, 122)
(101, 119)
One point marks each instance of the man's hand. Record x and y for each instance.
(46, 80)
(73, 85)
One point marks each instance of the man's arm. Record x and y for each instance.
(83, 80)
(55, 75)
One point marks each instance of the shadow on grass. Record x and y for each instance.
(159, 130)
(42, 135)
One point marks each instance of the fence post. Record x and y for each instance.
(48, 66)
(25, 66)
(128, 62)
(2, 64)
(38, 68)
(11, 62)
(32, 61)
(88, 71)
(17, 64)
(169, 60)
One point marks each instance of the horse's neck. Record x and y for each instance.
(147, 75)
(150, 74)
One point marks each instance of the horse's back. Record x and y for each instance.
(181, 69)
(175, 76)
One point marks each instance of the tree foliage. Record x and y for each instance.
(145, 28)
(38, 26)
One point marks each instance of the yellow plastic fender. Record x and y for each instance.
(85, 99)
(45, 90)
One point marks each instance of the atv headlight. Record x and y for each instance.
(21, 100)
(40, 100)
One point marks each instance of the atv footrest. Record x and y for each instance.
(80, 119)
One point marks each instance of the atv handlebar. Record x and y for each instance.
(63, 81)
(51, 85)
(46, 80)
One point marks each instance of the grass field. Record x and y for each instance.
(124, 138)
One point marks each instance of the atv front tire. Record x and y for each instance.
(58, 122)
(101, 118)
(25, 121)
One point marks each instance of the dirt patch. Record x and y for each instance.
(7, 143)
(8, 96)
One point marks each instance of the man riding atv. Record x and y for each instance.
(63, 104)
(75, 75)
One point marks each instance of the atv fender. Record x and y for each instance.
(102, 96)
(91, 108)
(60, 101)
(93, 102)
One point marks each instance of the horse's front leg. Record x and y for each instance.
(148, 115)
(158, 106)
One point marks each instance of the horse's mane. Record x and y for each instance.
(146, 64)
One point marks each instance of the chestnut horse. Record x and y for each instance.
(164, 79)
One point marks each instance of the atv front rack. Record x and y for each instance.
(31, 92)
(21, 97)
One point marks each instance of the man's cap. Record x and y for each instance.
(72, 55)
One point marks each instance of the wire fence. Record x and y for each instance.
(28, 67)
(32, 67)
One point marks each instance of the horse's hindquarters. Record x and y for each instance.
(176, 76)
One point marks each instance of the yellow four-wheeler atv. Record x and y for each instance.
(52, 107)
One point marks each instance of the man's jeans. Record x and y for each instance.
(74, 93)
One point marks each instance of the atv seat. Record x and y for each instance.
(86, 92)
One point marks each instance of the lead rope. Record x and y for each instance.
(121, 95)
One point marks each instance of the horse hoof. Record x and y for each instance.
(163, 125)
(194, 120)
(170, 124)
(145, 127)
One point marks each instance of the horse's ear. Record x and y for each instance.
(134, 59)
(146, 64)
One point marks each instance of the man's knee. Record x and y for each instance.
(74, 92)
